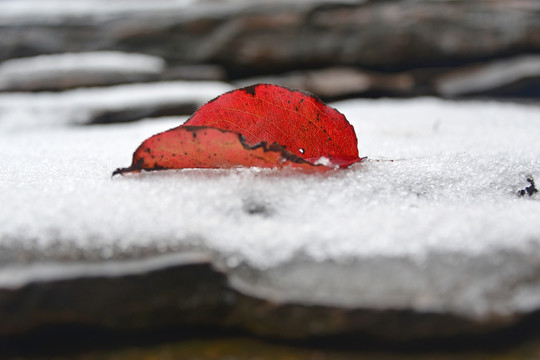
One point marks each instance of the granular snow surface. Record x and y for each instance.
(441, 177)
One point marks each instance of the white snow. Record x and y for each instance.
(441, 177)
(21, 110)
(53, 8)
(44, 67)
(53, 11)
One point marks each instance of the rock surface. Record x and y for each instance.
(188, 289)
(239, 39)
(281, 34)
(119, 295)
(340, 82)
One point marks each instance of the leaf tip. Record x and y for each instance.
(120, 171)
(135, 167)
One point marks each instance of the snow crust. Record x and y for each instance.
(442, 177)
(99, 62)
(19, 275)
(490, 76)
(56, 8)
(54, 11)
(31, 110)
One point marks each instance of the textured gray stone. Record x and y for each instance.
(234, 40)
(390, 34)
(340, 82)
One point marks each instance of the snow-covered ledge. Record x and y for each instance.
(71, 70)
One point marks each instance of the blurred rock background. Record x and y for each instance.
(336, 49)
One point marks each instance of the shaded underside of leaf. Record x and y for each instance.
(206, 147)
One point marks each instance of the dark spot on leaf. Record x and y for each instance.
(251, 89)
(529, 190)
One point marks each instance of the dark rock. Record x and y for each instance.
(331, 83)
(164, 291)
(195, 72)
(142, 112)
(396, 300)
(238, 347)
(239, 40)
(282, 35)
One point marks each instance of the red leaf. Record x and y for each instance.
(206, 147)
(297, 120)
(235, 129)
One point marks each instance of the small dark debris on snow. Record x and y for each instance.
(253, 207)
(529, 190)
